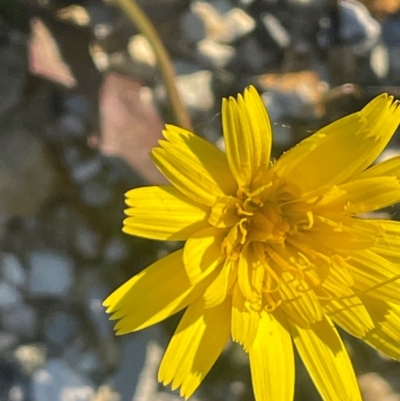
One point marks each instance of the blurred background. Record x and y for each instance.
(82, 102)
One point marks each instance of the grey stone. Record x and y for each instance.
(56, 381)
(86, 170)
(7, 341)
(9, 295)
(72, 124)
(391, 30)
(95, 293)
(193, 26)
(358, 27)
(21, 320)
(115, 250)
(59, 327)
(276, 30)
(51, 274)
(12, 269)
(96, 192)
(86, 241)
(126, 380)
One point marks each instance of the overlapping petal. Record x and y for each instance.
(343, 149)
(326, 359)
(385, 336)
(247, 134)
(194, 166)
(198, 341)
(163, 213)
(159, 291)
(202, 253)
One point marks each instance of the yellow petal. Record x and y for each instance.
(374, 274)
(388, 168)
(218, 290)
(162, 213)
(345, 233)
(245, 318)
(348, 311)
(194, 166)
(359, 196)
(343, 149)
(387, 244)
(385, 336)
(247, 134)
(272, 360)
(159, 291)
(326, 359)
(198, 341)
(202, 253)
(299, 300)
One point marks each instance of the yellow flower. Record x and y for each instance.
(276, 253)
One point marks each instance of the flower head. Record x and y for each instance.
(276, 253)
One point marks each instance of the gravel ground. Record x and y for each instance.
(81, 104)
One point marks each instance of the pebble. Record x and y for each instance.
(9, 295)
(115, 250)
(21, 320)
(196, 90)
(86, 241)
(217, 54)
(135, 348)
(51, 274)
(60, 327)
(12, 270)
(56, 381)
(358, 27)
(86, 170)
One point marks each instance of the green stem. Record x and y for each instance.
(137, 16)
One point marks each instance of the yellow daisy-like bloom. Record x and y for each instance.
(276, 253)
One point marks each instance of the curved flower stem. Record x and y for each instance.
(137, 16)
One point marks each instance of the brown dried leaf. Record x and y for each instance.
(130, 125)
(45, 58)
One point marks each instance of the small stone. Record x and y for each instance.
(193, 26)
(12, 269)
(358, 27)
(60, 327)
(140, 51)
(9, 295)
(276, 30)
(51, 274)
(196, 90)
(86, 241)
(72, 125)
(56, 381)
(21, 320)
(96, 192)
(127, 380)
(219, 55)
(115, 251)
(7, 342)
(86, 170)
(31, 357)
(379, 61)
